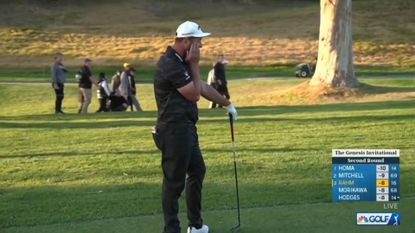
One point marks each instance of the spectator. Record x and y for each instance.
(211, 81)
(58, 71)
(103, 93)
(133, 94)
(85, 85)
(115, 83)
(220, 77)
(125, 86)
(118, 103)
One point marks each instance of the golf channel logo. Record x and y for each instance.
(379, 219)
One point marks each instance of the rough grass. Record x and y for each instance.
(108, 49)
(101, 172)
(255, 33)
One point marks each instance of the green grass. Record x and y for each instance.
(313, 218)
(145, 73)
(101, 172)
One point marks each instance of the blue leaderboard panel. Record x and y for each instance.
(365, 175)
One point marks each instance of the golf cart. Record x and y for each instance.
(304, 70)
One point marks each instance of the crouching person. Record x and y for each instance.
(118, 103)
(103, 93)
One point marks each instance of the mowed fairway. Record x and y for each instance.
(101, 172)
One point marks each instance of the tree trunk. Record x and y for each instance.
(335, 52)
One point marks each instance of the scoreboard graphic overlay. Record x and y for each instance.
(365, 175)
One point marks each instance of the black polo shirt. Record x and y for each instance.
(172, 72)
(85, 81)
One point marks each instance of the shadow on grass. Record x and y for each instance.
(149, 124)
(259, 151)
(341, 107)
(149, 118)
(92, 116)
(150, 152)
(328, 120)
(349, 119)
(375, 89)
(76, 125)
(31, 206)
(77, 153)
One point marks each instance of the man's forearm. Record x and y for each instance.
(196, 80)
(211, 94)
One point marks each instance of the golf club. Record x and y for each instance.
(238, 226)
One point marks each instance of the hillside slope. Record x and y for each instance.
(250, 32)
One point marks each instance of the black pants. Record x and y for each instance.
(130, 102)
(59, 97)
(103, 104)
(223, 91)
(181, 156)
(117, 103)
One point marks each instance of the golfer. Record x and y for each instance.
(178, 87)
(58, 71)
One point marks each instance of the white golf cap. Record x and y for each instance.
(190, 29)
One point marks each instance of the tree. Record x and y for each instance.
(335, 53)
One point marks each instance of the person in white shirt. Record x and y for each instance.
(103, 93)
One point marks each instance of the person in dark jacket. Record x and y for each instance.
(85, 85)
(58, 71)
(221, 84)
(127, 86)
(133, 93)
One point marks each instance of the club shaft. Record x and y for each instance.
(235, 170)
(233, 137)
(237, 192)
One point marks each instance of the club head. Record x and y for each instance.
(236, 228)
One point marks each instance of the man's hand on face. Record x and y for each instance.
(193, 55)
